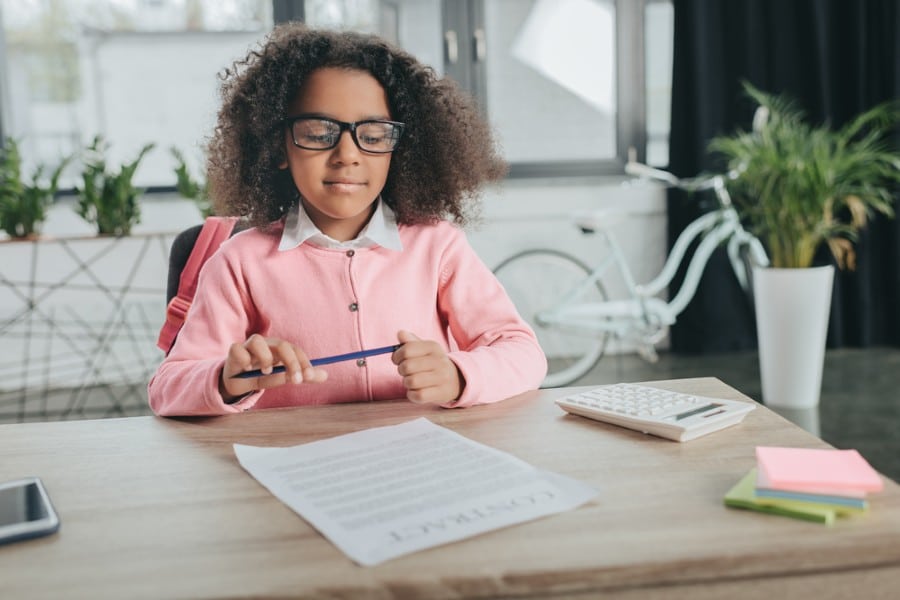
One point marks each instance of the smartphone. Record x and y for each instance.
(25, 510)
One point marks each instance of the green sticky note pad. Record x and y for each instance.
(742, 495)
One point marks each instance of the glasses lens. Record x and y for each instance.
(316, 134)
(378, 136)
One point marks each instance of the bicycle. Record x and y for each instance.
(566, 302)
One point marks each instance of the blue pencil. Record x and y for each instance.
(326, 360)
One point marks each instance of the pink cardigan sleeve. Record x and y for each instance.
(187, 381)
(498, 355)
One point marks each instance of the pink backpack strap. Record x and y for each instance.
(215, 230)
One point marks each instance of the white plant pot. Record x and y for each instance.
(792, 307)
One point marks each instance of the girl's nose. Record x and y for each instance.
(346, 149)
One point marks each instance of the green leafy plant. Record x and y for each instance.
(24, 203)
(189, 187)
(799, 186)
(108, 199)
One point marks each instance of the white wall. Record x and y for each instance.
(528, 213)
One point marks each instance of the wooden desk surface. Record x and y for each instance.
(154, 507)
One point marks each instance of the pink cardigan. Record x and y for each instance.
(332, 301)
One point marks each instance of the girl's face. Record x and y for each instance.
(338, 186)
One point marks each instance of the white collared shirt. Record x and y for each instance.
(381, 230)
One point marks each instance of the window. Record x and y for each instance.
(569, 85)
(133, 71)
(551, 85)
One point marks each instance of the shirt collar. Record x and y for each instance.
(381, 230)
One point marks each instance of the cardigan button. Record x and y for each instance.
(354, 307)
(360, 362)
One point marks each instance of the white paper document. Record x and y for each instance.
(388, 491)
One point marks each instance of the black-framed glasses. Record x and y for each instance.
(321, 133)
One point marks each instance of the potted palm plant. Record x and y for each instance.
(24, 201)
(800, 186)
(107, 198)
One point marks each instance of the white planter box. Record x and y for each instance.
(81, 311)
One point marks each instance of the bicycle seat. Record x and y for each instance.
(594, 220)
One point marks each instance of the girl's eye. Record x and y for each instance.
(322, 138)
(315, 133)
(380, 135)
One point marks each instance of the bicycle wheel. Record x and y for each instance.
(537, 280)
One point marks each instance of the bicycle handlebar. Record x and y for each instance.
(641, 170)
(715, 182)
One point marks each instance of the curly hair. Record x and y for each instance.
(446, 154)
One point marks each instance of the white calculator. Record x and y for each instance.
(673, 415)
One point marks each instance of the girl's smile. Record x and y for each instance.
(344, 186)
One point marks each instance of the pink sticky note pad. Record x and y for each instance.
(815, 470)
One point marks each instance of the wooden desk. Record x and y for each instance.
(155, 507)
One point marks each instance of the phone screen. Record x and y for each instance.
(25, 510)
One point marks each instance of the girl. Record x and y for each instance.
(347, 155)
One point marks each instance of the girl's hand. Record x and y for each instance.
(263, 353)
(429, 376)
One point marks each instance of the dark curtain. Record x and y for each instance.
(837, 58)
